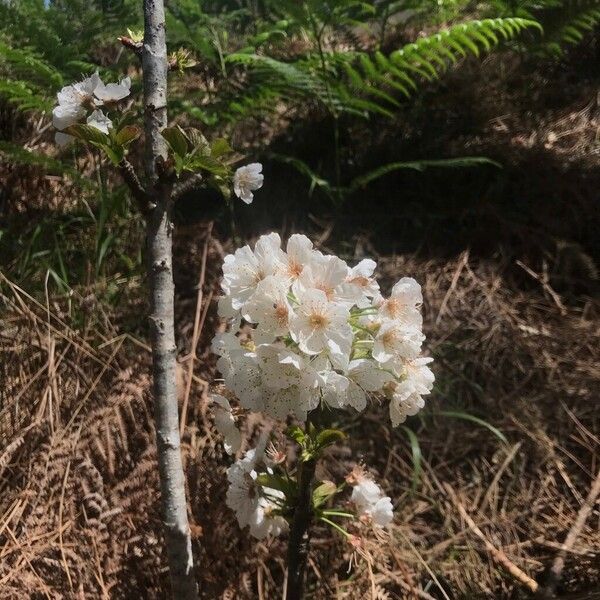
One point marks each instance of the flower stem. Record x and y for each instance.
(335, 526)
(300, 531)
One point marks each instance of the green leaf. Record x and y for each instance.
(198, 143)
(127, 134)
(115, 154)
(468, 417)
(220, 147)
(87, 133)
(327, 437)
(296, 434)
(420, 165)
(322, 493)
(200, 162)
(176, 139)
(277, 482)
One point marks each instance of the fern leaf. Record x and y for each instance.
(431, 56)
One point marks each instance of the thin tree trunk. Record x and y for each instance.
(300, 533)
(174, 507)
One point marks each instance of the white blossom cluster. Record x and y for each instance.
(254, 505)
(81, 101)
(305, 328)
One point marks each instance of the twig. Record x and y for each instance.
(198, 323)
(459, 269)
(427, 567)
(496, 554)
(555, 574)
(186, 186)
(135, 47)
(411, 589)
(543, 279)
(135, 187)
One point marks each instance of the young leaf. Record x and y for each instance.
(87, 133)
(295, 433)
(115, 154)
(327, 437)
(198, 143)
(323, 492)
(220, 147)
(127, 134)
(277, 482)
(176, 139)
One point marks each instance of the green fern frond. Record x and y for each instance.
(579, 17)
(24, 63)
(429, 57)
(420, 165)
(13, 153)
(23, 96)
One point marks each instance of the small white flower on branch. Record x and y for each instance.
(246, 180)
(406, 395)
(75, 101)
(369, 500)
(253, 504)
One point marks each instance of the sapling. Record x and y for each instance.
(307, 336)
(94, 113)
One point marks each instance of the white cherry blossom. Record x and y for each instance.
(99, 121)
(299, 253)
(404, 303)
(320, 324)
(360, 286)
(369, 500)
(245, 269)
(225, 424)
(113, 92)
(405, 402)
(253, 505)
(406, 396)
(269, 306)
(419, 375)
(65, 115)
(246, 180)
(75, 101)
(323, 273)
(395, 342)
(305, 328)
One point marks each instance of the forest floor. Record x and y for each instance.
(508, 445)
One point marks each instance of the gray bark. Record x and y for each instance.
(172, 481)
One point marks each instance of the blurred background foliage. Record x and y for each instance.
(340, 99)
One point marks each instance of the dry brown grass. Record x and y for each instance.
(79, 491)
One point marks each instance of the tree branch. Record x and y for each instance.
(135, 187)
(135, 47)
(300, 532)
(186, 186)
